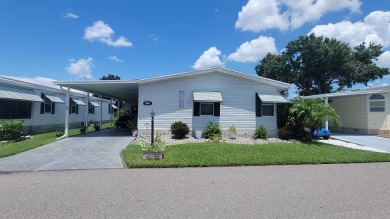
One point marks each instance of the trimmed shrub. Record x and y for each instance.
(285, 133)
(10, 130)
(260, 133)
(179, 130)
(213, 130)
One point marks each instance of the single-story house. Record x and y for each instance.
(217, 95)
(363, 111)
(42, 108)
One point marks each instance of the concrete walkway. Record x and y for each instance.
(376, 142)
(94, 150)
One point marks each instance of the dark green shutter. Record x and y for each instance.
(196, 109)
(258, 106)
(53, 108)
(43, 104)
(70, 106)
(77, 109)
(217, 108)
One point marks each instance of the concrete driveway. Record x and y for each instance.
(365, 140)
(94, 150)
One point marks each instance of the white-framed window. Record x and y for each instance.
(46, 107)
(74, 108)
(206, 109)
(377, 103)
(181, 99)
(268, 109)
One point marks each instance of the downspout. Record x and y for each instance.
(87, 114)
(111, 114)
(101, 110)
(66, 115)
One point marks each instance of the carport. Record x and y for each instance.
(115, 89)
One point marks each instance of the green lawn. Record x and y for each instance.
(223, 154)
(12, 148)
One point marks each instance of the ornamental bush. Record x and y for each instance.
(285, 133)
(260, 133)
(179, 130)
(10, 130)
(213, 130)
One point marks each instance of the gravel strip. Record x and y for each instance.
(243, 140)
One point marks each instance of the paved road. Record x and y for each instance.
(90, 151)
(365, 140)
(305, 191)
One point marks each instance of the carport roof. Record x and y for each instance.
(125, 90)
(376, 90)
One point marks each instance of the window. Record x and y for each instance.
(13, 109)
(377, 103)
(267, 109)
(47, 106)
(207, 109)
(181, 99)
(74, 108)
(91, 109)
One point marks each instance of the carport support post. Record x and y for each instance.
(87, 114)
(67, 112)
(326, 122)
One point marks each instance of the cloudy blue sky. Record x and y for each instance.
(49, 40)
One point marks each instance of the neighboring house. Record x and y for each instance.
(42, 108)
(198, 97)
(364, 111)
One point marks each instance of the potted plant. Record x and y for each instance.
(232, 132)
(96, 126)
(198, 133)
(133, 127)
(83, 128)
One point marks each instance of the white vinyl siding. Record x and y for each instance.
(237, 107)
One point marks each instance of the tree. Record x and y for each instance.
(110, 77)
(311, 113)
(319, 65)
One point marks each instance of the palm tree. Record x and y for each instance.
(310, 113)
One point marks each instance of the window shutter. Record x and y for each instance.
(258, 106)
(42, 108)
(217, 108)
(53, 108)
(70, 106)
(42, 104)
(77, 109)
(196, 109)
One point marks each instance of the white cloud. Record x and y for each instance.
(259, 15)
(209, 58)
(384, 60)
(114, 59)
(103, 33)
(81, 68)
(70, 15)
(254, 50)
(374, 28)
